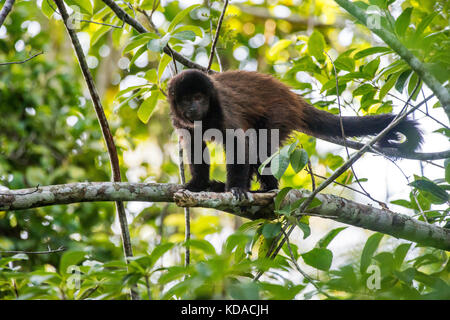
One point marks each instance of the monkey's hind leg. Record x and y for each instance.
(267, 181)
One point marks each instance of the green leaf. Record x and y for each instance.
(432, 188)
(172, 274)
(447, 170)
(331, 84)
(132, 88)
(202, 245)
(184, 35)
(363, 89)
(401, 81)
(280, 197)
(70, 258)
(244, 291)
(98, 34)
(388, 85)
(400, 254)
(151, 76)
(345, 63)
(271, 230)
(325, 241)
(402, 22)
(319, 258)
(196, 29)
(84, 5)
(177, 19)
(425, 23)
(305, 63)
(412, 84)
(314, 203)
(46, 9)
(266, 162)
(369, 249)
(304, 227)
(403, 203)
(157, 45)
(333, 162)
(148, 106)
(159, 251)
(316, 45)
(278, 47)
(370, 51)
(280, 163)
(138, 53)
(165, 60)
(371, 68)
(298, 159)
(139, 41)
(407, 276)
(235, 240)
(378, 3)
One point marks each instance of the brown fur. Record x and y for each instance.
(243, 100)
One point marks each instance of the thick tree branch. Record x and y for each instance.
(441, 92)
(141, 29)
(258, 205)
(6, 9)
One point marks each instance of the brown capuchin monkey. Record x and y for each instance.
(250, 100)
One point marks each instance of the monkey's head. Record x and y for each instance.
(190, 94)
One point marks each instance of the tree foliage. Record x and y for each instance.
(49, 135)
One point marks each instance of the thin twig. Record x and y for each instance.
(413, 194)
(122, 15)
(60, 249)
(187, 213)
(23, 194)
(382, 204)
(210, 32)
(147, 284)
(87, 21)
(423, 112)
(104, 24)
(311, 173)
(22, 61)
(340, 184)
(216, 36)
(155, 29)
(107, 135)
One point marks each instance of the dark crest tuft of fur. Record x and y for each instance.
(189, 82)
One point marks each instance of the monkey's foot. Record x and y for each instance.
(239, 193)
(216, 186)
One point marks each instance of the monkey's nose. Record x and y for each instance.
(189, 114)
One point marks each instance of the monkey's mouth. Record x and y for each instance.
(192, 116)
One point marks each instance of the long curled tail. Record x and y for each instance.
(322, 123)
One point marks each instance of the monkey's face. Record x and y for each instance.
(194, 107)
